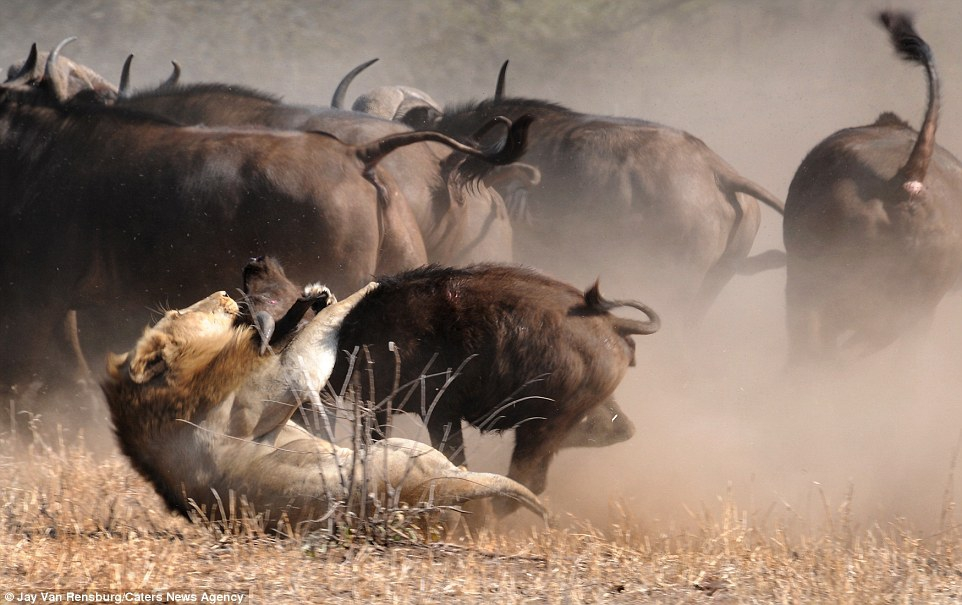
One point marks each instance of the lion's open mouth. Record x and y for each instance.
(218, 302)
(230, 306)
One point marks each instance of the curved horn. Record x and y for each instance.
(516, 143)
(499, 88)
(487, 126)
(29, 70)
(634, 326)
(508, 152)
(594, 299)
(174, 76)
(53, 75)
(340, 93)
(123, 91)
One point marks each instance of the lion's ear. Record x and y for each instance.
(148, 361)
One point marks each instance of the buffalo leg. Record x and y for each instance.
(713, 283)
(532, 455)
(805, 301)
(741, 237)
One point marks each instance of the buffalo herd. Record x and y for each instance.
(117, 201)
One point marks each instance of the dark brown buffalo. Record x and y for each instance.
(267, 290)
(497, 346)
(108, 209)
(461, 219)
(873, 226)
(656, 204)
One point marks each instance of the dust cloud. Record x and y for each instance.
(716, 408)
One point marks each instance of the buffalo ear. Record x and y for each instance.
(516, 175)
(451, 171)
(114, 363)
(148, 361)
(513, 181)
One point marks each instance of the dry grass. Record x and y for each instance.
(73, 521)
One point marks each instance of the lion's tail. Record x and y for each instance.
(459, 486)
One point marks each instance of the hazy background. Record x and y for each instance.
(761, 82)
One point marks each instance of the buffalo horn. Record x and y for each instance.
(28, 71)
(508, 152)
(340, 93)
(53, 75)
(594, 299)
(123, 91)
(634, 326)
(487, 126)
(499, 88)
(174, 76)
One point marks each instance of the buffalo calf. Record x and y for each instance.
(498, 346)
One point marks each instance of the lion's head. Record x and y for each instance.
(183, 367)
(184, 340)
(185, 363)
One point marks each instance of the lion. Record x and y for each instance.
(204, 415)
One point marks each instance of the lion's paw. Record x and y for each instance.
(318, 295)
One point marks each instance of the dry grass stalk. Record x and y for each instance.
(72, 521)
(76, 521)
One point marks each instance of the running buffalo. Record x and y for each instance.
(267, 290)
(460, 217)
(873, 227)
(114, 211)
(657, 205)
(498, 346)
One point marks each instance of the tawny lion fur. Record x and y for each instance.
(204, 417)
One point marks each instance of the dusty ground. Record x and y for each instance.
(74, 523)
